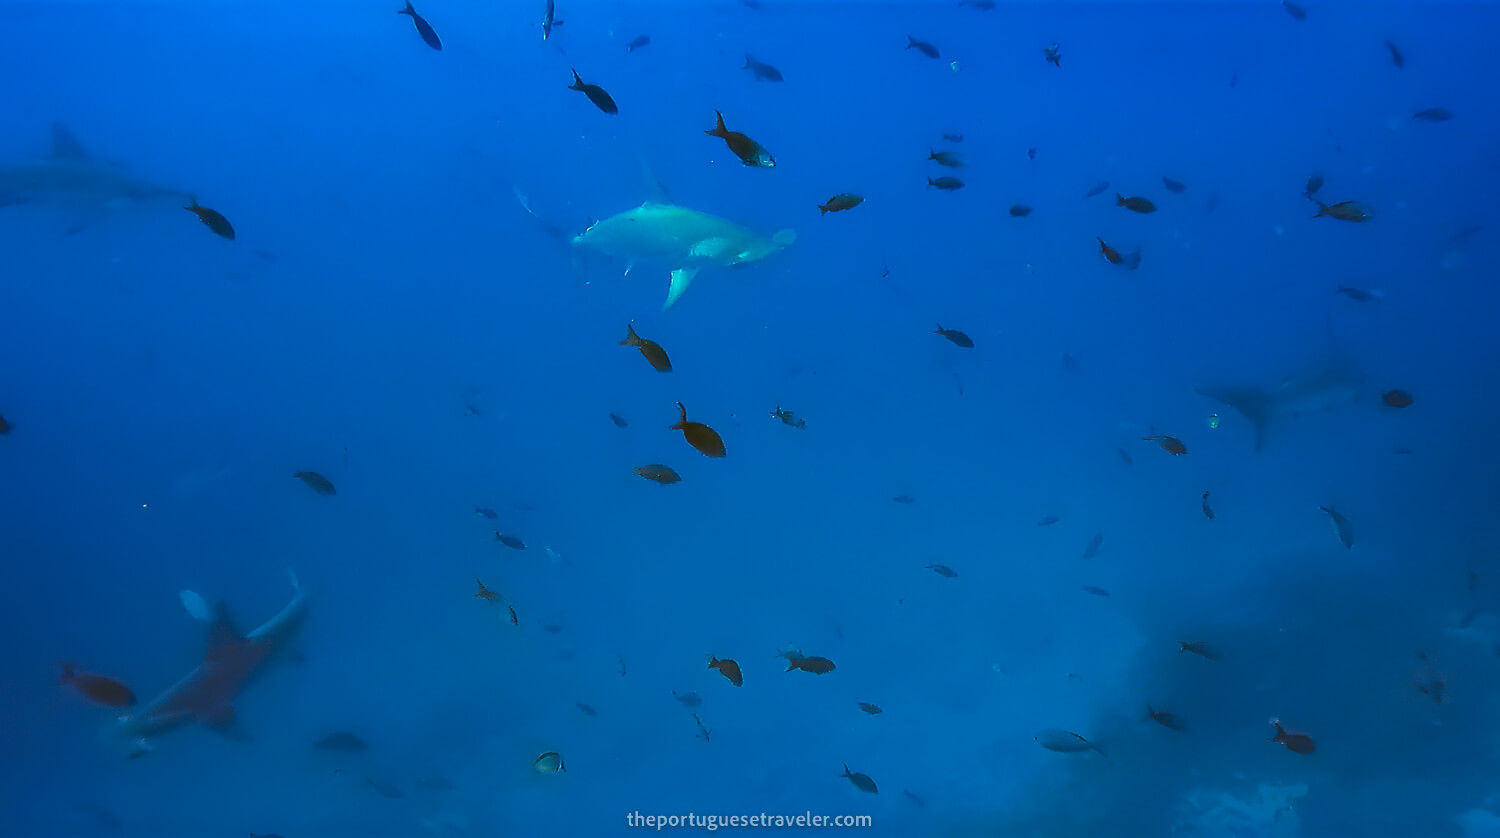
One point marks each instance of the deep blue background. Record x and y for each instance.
(164, 385)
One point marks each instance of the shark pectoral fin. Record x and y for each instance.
(196, 606)
(717, 249)
(223, 638)
(784, 237)
(681, 279)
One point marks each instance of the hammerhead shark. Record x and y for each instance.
(680, 239)
(1325, 386)
(232, 662)
(69, 175)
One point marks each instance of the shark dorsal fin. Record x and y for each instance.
(223, 637)
(65, 146)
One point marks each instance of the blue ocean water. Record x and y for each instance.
(403, 310)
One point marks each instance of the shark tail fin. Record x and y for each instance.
(65, 146)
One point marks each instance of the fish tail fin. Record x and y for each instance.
(718, 130)
(631, 338)
(910, 42)
(1119, 200)
(577, 81)
(69, 672)
(748, 61)
(408, 10)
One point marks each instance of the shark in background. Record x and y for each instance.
(680, 239)
(70, 177)
(231, 663)
(1331, 383)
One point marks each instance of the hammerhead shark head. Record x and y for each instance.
(206, 695)
(69, 175)
(1326, 386)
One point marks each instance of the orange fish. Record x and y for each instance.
(699, 435)
(485, 593)
(1344, 211)
(106, 691)
(728, 668)
(1170, 444)
(317, 482)
(212, 219)
(1109, 252)
(1297, 743)
(814, 664)
(650, 350)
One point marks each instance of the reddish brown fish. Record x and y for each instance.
(650, 350)
(750, 152)
(317, 482)
(96, 688)
(1109, 252)
(1297, 743)
(728, 668)
(212, 219)
(699, 435)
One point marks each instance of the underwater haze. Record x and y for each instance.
(1086, 427)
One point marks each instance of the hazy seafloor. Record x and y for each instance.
(391, 316)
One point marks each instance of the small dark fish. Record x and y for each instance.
(1464, 233)
(942, 570)
(618, 420)
(515, 620)
(1109, 253)
(317, 482)
(750, 152)
(552, 628)
(689, 699)
(1396, 57)
(1434, 688)
(913, 798)
(5, 427)
(386, 790)
(485, 593)
(1294, 10)
(510, 541)
(1397, 398)
(1234, 81)
(1430, 115)
(946, 158)
(955, 336)
(1140, 205)
(699, 435)
(872, 709)
(586, 710)
(841, 201)
(906, 499)
(1098, 189)
(947, 184)
(1208, 511)
(860, 781)
(1125, 456)
(1166, 720)
(650, 350)
(921, 46)
(637, 42)
(1359, 295)
(596, 94)
(788, 418)
(1341, 526)
(953, 138)
(658, 473)
(1031, 154)
(1047, 521)
(342, 742)
(485, 512)
(424, 28)
(761, 70)
(703, 731)
(1170, 444)
(1019, 210)
(1095, 591)
(1094, 544)
(96, 688)
(1297, 743)
(212, 219)
(1202, 650)
(1344, 211)
(728, 668)
(807, 663)
(549, 20)
(1053, 55)
(1173, 185)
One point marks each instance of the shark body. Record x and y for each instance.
(1329, 385)
(70, 176)
(231, 663)
(681, 239)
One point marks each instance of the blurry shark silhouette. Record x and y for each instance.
(681, 239)
(1331, 384)
(68, 175)
(231, 663)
